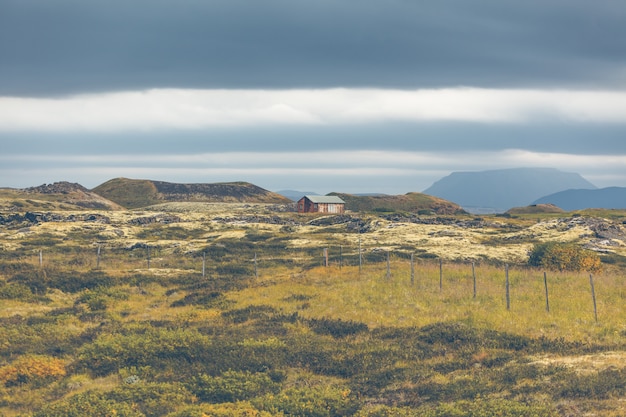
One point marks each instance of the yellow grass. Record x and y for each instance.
(377, 301)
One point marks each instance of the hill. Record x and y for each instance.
(132, 193)
(496, 191)
(536, 209)
(608, 198)
(411, 202)
(59, 195)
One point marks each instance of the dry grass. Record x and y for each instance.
(373, 299)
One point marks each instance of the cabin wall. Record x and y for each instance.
(307, 206)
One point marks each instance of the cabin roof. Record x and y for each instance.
(324, 199)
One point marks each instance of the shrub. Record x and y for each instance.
(211, 299)
(337, 328)
(35, 280)
(233, 386)
(152, 399)
(564, 257)
(604, 384)
(88, 404)
(488, 408)
(76, 282)
(32, 369)
(238, 409)
(316, 401)
(155, 347)
(15, 291)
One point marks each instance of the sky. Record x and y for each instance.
(355, 96)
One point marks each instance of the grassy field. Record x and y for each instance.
(142, 331)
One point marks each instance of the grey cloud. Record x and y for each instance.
(69, 46)
(585, 139)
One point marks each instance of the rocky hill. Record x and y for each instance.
(410, 202)
(496, 191)
(536, 209)
(132, 193)
(608, 198)
(59, 195)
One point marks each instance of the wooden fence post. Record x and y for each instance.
(40, 258)
(440, 274)
(148, 257)
(360, 256)
(508, 296)
(98, 257)
(412, 270)
(388, 267)
(474, 278)
(256, 268)
(326, 257)
(593, 295)
(340, 256)
(545, 284)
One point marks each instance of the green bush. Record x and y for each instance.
(88, 404)
(233, 386)
(316, 401)
(211, 299)
(604, 384)
(564, 257)
(336, 328)
(36, 281)
(152, 399)
(157, 347)
(475, 408)
(76, 282)
(15, 291)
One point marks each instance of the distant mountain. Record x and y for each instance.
(57, 196)
(411, 202)
(498, 190)
(132, 193)
(295, 195)
(608, 198)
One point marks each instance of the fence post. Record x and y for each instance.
(412, 270)
(98, 257)
(388, 267)
(340, 256)
(474, 277)
(40, 258)
(256, 269)
(360, 255)
(326, 257)
(148, 257)
(593, 295)
(203, 264)
(545, 284)
(440, 274)
(508, 296)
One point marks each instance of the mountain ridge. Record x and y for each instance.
(499, 190)
(581, 199)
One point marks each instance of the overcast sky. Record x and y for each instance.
(318, 95)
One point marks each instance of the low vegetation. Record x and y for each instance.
(242, 313)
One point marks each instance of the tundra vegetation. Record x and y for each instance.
(194, 309)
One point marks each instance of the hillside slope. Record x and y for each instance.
(499, 190)
(609, 198)
(132, 193)
(59, 195)
(411, 202)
